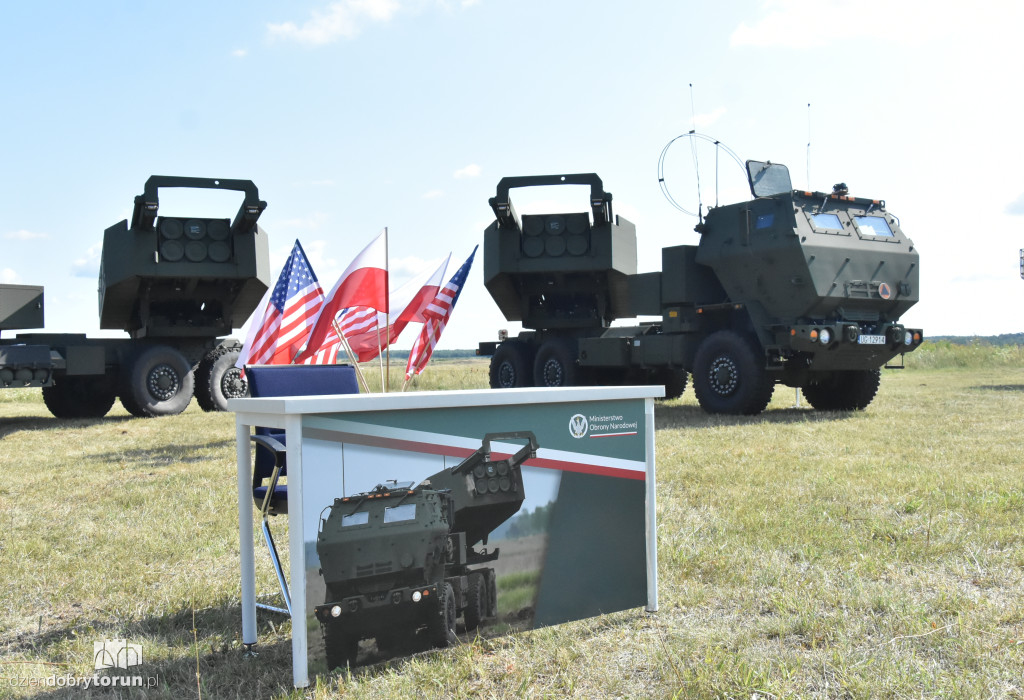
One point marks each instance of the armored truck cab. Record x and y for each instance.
(800, 288)
(399, 562)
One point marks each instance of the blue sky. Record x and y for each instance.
(355, 115)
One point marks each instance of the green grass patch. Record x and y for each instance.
(801, 554)
(517, 591)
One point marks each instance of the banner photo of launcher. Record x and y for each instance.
(424, 527)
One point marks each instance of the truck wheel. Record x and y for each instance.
(729, 376)
(511, 365)
(843, 391)
(492, 597)
(79, 397)
(217, 380)
(555, 365)
(476, 601)
(158, 382)
(442, 623)
(673, 379)
(341, 647)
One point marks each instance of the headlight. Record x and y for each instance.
(336, 611)
(416, 596)
(825, 336)
(908, 338)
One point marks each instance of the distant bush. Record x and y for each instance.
(976, 353)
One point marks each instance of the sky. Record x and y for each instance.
(356, 115)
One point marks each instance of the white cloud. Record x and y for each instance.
(24, 235)
(471, 170)
(808, 24)
(340, 20)
(432, 194)
(702, 121)
(313, 222)
(8, 276)
(240, 53)
(409, 266)
(1016, 207)
(89, 264)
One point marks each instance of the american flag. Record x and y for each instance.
(437, 314)
(352, 320)
(288, 316)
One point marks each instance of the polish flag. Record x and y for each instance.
(368, 331)
(364, 283)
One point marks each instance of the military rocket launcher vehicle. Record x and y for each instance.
(400, 562)
(175, 285)
(798, 288)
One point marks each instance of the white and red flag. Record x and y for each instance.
(282, 321)
(364, 283)
(368, 334)
(369, 331)
(436, 316)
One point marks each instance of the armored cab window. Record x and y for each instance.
(397, 514)
(360, 518)
(827, 222)
(873, 226)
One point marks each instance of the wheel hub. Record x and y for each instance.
(163, 383)
(506, 375)
(233, 385)
(554, 375)
(723, 376)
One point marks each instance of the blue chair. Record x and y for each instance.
(271, 463)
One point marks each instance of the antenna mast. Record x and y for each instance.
(693, 150)
(808, 146)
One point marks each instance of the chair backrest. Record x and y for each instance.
(293, 380)
(301, 380)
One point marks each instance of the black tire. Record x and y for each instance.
(511, 365)
(555, 365)
(492, 597)
(729, 376)
(341, 648)
(673, 379)
(476, 601)
(157, 382)
(217, 380)
(843, 391)
(442, 623)
(80, 397)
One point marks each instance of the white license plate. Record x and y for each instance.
(871, 340)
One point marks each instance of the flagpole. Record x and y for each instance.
(387, 305)
(351, 355)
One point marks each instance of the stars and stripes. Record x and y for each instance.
(277, 336)
(436, 316)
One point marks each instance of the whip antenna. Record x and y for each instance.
(808, 146)
(693, 150)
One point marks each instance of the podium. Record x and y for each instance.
(593, 478)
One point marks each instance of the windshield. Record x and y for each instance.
(873, 226)
(767, 179)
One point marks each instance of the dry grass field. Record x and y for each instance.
(801, 554)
